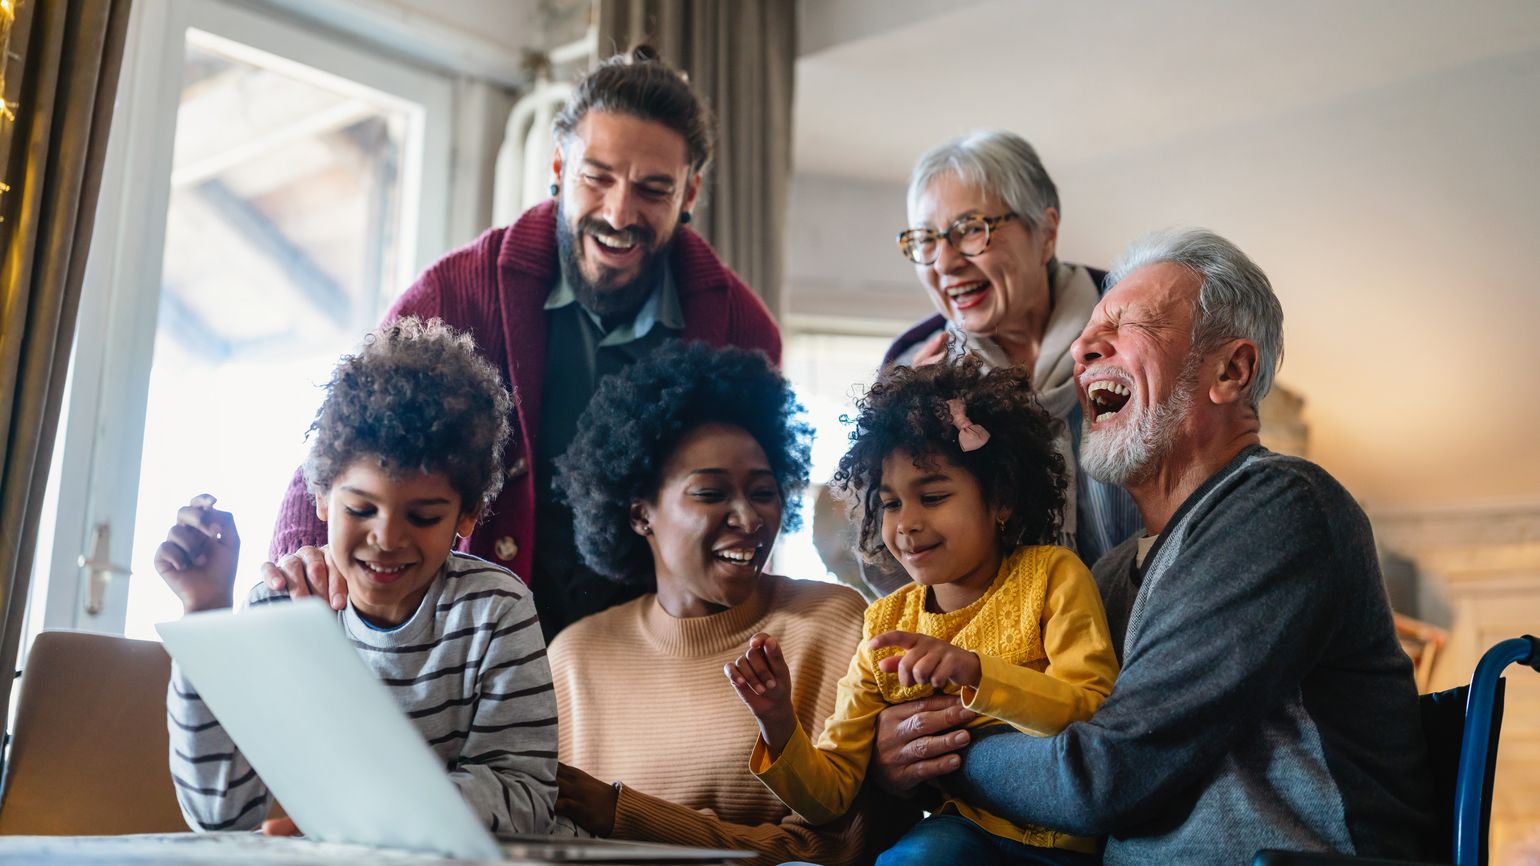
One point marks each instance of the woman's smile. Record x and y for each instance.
(966, 296)
(713, 521)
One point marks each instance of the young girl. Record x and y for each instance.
(954, 471)
(407, 451)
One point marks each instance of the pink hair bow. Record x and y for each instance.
(970, 436)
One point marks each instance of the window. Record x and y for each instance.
(267, 193)
(828, 372)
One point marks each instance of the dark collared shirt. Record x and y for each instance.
(579, 352)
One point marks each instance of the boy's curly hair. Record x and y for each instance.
(637, 418)
(415, 396)
(906, 408)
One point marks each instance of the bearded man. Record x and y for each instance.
(1264, 701)
(575, 290)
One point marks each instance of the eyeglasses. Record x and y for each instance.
(969, 235)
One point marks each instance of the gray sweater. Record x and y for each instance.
(468, 668)
(1263, 701)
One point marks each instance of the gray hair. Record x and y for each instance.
(1235, 298)
(992, 161)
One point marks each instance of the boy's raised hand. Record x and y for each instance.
(927, 660)
(763, 683)
(197, 559)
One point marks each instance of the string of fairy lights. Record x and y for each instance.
(7, 109)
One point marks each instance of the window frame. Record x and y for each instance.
(97, 453)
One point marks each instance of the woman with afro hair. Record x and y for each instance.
(686, 466)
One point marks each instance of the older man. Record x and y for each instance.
(576, 289)
(1264, 700)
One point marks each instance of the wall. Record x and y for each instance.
(1477, 570)
(843, 268)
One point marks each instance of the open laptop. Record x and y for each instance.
(333, 746)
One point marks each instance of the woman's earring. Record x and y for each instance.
(1001, 523)
(684, 218)
(555, 188)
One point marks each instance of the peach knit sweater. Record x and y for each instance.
(642, 700)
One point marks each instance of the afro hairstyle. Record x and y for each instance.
(416, 396)
(906, 409)
(638, 417)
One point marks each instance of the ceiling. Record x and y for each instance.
(1380, 159)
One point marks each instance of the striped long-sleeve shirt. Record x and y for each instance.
(468, 668)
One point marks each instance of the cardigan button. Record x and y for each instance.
(517, 468)
(506, 548)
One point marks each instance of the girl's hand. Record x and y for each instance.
(927, 660)
(763, 683)
(589, 802)
(197, 559)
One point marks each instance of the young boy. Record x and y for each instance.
(407, 451)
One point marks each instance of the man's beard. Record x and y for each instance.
(1131, 452)
(607, 296)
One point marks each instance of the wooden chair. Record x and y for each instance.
(1422, 642)
(89, 749)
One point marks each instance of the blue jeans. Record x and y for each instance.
(947, 838)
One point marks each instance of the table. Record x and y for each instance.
(251, 849)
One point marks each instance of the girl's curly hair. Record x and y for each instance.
(415, 396)
(636, 419)
(906, 408)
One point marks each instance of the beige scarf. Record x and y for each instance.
(1074, 296)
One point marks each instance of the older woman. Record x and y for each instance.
(984, 229)
(685, 468)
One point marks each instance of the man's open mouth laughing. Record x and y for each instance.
(615, 250)
(1107, 397)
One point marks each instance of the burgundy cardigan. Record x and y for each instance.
(495, 288)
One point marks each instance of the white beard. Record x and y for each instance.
(1130, 452)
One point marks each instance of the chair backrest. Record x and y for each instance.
(1443, 725)
(1478, 747)
(89, 751)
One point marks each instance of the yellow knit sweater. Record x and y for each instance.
(1046, 658)
(642, 700)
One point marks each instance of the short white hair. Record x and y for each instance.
(992, 161)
